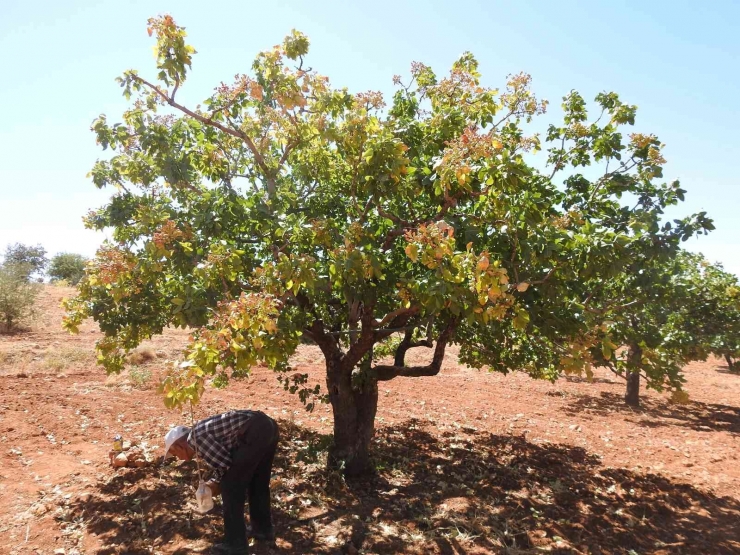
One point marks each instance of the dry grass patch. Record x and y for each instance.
(66, 357)
(27, 360)
(13, 362)
(142, 356)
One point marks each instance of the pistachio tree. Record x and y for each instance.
(665, 311)
(283, 209)
(709, 318)
(652, 333)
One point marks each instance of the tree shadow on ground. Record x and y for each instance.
(138, 509)
(725, 369)
(468, 493)
(16, 330)
(707, 417)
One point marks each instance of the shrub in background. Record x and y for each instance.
(17, 295)
(31, 258)
(67, 266)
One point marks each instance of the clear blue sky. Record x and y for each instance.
(678, 61)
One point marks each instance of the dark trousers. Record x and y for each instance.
(250, 472)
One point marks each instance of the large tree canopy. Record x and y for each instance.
(283, 209)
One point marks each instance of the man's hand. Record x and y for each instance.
(215, 487)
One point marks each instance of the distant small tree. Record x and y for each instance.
(30, 258)
(645, 312)
(17, 295)
(710, 316)
(665, 311)
(67, 266)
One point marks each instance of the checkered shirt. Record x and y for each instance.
(214, 438)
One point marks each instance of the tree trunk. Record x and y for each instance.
(354, 403)
(730, 363)
(632, 397)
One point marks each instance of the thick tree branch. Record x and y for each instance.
(423, 343)
(400, 358)
(391, 237)
(286, 152)
(385, 373)
(326, 342)
(392, 217)
(174, 90)
(365, 341)
(391, 316)
(399, 322)
(406, 344)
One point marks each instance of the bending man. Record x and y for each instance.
(238, 447)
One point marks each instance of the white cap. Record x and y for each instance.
(172, 436)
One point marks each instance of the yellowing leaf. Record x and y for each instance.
(412, 251)
(483, 263)
(461, 177)
(256, 91)
(522, 287)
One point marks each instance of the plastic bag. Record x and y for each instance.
(203, 498)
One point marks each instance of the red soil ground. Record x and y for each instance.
(467, 462)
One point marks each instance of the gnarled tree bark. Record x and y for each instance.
(354, 403)
(353, 393)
